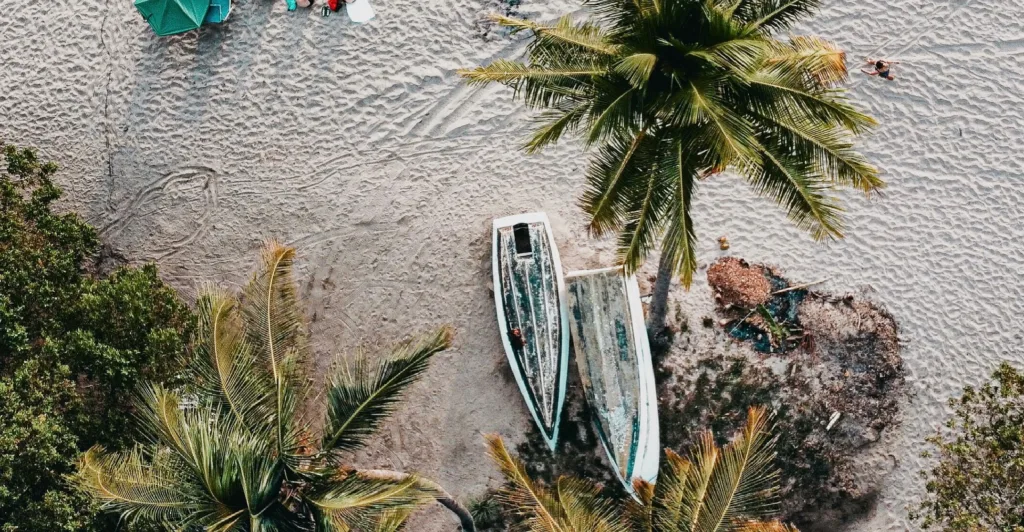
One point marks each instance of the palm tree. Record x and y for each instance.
(674, 91)
(236, 453)
(730, 489)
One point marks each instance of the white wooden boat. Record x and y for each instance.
(614, 361)
(529, 296)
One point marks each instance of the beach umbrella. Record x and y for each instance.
(167, 17)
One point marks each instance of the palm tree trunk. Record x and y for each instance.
(442, 496)
(659, 299)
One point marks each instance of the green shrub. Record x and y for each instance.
(978, 483)
(72, 348)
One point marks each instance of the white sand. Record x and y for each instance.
(359, 145)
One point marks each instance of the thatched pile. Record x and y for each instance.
(738, 283)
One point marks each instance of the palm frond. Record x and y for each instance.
(800, 189)
(729, 137)
(819, 58)
(637, 68)
(583, 36)
(521, 495)
(393, 520)
(140, 491)
(827, 147)
(361, 395)
(275, 328)
(559, 121)
(357, 502)
(260, 473)
(273, 320)
(613, 110)
(704, 458)
(739, 56)
(774, 15)
(585, 510)
(672, 503)
(744, 482)
(226, 364)
(210, 447)
(639, 512)
(201, 440)
(513, 73)
(161, 418)
(639, 235)
(680, 236)
(618, 164)
(772, 90)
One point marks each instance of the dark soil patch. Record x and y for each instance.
(836, 355)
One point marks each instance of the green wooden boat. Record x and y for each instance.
(529, 296)
(614, 360)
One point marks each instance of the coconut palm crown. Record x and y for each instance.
(668, 92)
(730, 489)
(236, 453)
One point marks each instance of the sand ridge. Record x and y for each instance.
(360, 145)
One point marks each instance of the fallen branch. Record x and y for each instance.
(442, 496)
(798, 287)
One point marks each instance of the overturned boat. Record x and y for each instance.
(614, 360)
(529, 296)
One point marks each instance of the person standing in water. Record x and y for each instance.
(881, 68)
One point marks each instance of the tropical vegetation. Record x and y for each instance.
(978, 482)
(672, 92)
(234, 450)
(73, 346)
(716, 489)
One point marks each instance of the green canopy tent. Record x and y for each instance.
(168, 17)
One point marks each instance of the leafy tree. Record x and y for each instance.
(243, 458)
(674, 91)
(72, 347)
(717, 489)
(978, 483)
(37, 447)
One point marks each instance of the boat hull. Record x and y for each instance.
(529, 297)
(614, 360)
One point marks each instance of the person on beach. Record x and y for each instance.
(881, 68)
(516, 338)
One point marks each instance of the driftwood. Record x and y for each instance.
(798, 287)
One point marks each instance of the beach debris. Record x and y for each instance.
(359, 11)
(831, 366)
(833, 420)
(739, 283)
(723, 243)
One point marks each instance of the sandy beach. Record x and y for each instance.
(360, 146)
